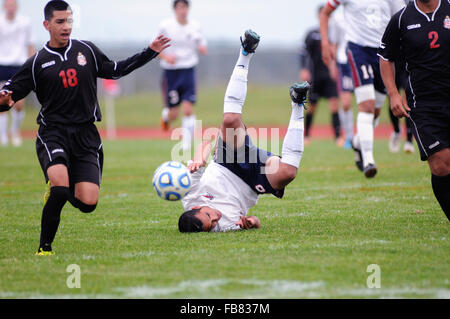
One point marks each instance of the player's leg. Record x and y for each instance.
(233, 129)
(363, 77)
(4, 117)
(171, 98)
(281, 172)
(408, 148)
(188, 96)
(347, 117)
(333, 104)
(314, 96)
(17, 116)
(395, 138)
(440, 169)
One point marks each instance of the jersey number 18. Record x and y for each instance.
(69, 78)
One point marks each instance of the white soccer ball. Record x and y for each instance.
(172, 181)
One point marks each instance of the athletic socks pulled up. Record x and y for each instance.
(188, 125)
(293, 145)
(51, 215)
(16, 120)
(441, 189)
(365, 126)
(336, 124)
(237, 87)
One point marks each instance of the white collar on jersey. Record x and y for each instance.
(426, 15)
(63, 58)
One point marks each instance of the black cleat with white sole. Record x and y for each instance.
(358, 157)
(370, 170)
(250, 42)
(299, 92)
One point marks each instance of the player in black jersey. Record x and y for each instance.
(420, 33)
(314, 71)
(64, 76)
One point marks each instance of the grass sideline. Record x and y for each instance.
(315, 243)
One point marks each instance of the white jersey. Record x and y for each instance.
(337, 36)
(218, 188)
(184, 45)
(367, 19)
(15, 39)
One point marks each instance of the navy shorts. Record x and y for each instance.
(178, 86)
(7, 72)
(78, 147)
(345, 78)
(365, 66)
(247, 162)
(431, 128)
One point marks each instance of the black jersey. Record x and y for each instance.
(311, 55)
(65, 80)
(423, 40)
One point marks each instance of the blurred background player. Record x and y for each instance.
(230, 185)
(367, 20)
(401, 80)
(178, 63)
(314, 71)
(344, 80)
(16, 46)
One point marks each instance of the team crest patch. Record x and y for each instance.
(209, 196)
(447, 22)
(81, 59)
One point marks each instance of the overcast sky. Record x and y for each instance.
(279, 22)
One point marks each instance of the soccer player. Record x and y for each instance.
(64, 77)
(337, 28)
(420, 33)
(178, 64)
(366, 20)
(222, 194)
(322, 85)
(16, 46)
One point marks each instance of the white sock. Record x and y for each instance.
(4, 127)
(237, 87)
(165, 114)
(188, 125)
(348, 123)
(376, 122)
(293, 145)
(16, 120)
(365, 133)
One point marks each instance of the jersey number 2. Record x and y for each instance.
(434, 37)
(69, 78)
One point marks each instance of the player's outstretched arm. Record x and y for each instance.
(201, 156)
(398, 107)
(324, 17)
(249, 222)
(108, 69)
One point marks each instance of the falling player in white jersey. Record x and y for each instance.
(366, 20)
(222, 194)
(16, 45)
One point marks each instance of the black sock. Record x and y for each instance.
(308, 123)
(51, 216)
(336, 124)
(409, 133)
(441, 189)
(394, 121)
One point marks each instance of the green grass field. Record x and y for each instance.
(315, 243)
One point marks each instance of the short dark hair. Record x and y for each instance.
(55, 5)
(186, 2)
(188, 223)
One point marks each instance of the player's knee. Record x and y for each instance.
(289, 174)
(439, 164)
(87, 207)
(231, 120)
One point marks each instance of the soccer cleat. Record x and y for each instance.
(358, 157)
(164, 125)
(394, 142)
(47, 192)
(299, 93)
(249, 42)
(408, 148)
(370, 170)
(348, 144)
(42, 252)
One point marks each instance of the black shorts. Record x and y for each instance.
(79, 147)
(322, 87)
(431, 128)
(247, 163)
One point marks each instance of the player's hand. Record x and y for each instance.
(160, 44)
(398, 106)
(305, 75)
(6, 98)
(203, 50)
(249, 222)
(195, 166)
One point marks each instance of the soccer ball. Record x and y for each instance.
(172, 181)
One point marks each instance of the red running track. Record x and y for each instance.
(317, 132)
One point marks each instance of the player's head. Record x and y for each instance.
(181, 8)
(58, 21)
(10, 7)
(199, 219)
